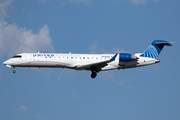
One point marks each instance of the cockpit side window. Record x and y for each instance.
(17, 56)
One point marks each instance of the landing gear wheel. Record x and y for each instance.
(14, 71)
(93, 75)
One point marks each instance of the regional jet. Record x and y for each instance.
(90, 62)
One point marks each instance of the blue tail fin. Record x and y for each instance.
(155, 48)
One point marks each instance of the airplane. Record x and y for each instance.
(90, 62)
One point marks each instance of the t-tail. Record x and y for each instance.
(155, 48)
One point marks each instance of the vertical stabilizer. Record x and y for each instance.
(155, 48)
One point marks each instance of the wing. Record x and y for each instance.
(96, 66)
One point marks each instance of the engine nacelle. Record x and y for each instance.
(127, 57)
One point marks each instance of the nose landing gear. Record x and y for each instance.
(14, 71)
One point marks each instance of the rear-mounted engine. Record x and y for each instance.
(127, 57)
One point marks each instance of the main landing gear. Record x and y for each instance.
(94, 74)
(94, 71)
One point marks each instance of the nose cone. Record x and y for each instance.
(5, 63)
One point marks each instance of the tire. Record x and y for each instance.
(93, 75)
(14, 71)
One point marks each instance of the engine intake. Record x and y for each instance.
(127, 57)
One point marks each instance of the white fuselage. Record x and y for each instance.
(73, 61)
(91, 62)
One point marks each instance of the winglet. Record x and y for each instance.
(113, 58)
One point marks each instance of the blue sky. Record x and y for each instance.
(89, 26)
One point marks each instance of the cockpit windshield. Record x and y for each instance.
(17, 56)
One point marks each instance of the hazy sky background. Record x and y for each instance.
(90, 26)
